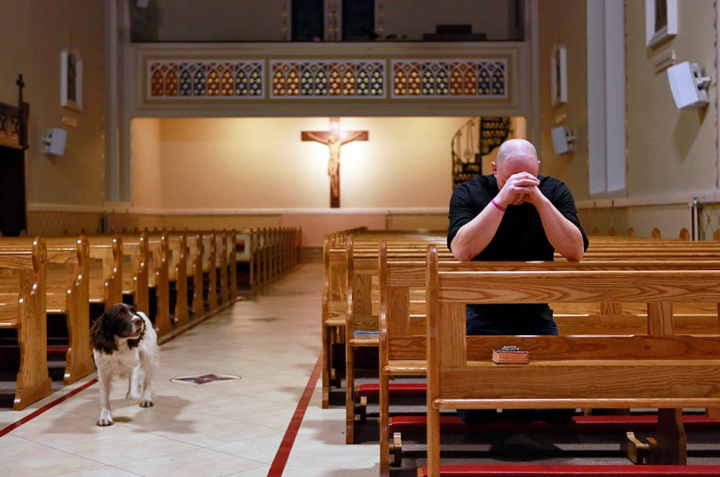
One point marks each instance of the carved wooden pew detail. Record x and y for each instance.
(159, 278)
(23, 307)
(196, 249)
(178, 273)
(106, 269)
(67, 294)
(136, 280)
(334, 304)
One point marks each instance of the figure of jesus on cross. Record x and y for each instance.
(334, 139)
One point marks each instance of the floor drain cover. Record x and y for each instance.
(205, 379)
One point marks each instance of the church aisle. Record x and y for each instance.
(227, 427)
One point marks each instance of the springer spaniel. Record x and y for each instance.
(124, 343)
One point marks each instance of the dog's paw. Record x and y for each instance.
(105, 419)
(146, 403)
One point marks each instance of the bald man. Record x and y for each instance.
(514, 214)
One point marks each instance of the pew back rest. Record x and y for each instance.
(22, 283)
(656, 370)
(106, 268)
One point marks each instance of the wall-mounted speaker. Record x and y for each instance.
(54, 141)
(688, 86)
(563, 138)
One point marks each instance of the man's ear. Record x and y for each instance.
(494, 168)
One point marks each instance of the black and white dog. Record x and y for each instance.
(124, 343)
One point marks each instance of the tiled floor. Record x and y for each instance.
(223, 429)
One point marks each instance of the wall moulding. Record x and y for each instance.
(661, 21)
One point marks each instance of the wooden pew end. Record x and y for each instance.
(361, 409)
(335, 380)
(635, 449)
(396, 449)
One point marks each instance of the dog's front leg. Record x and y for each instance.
(147, 399)
(133, 384)
(105, 380)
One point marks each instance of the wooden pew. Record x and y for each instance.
(232, 266)
(67, 294)
(158, 268)
(136, 279)
(334, 303)
(209, 264)
(243, 257)
(223, 274)
(205, 253)
(660, 370)
(362, 301)
(196, 252)
(177, 275)
(402, 344)
(23, 307)
(274, 252)
(106, 269)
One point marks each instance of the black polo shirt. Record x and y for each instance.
(520, 236)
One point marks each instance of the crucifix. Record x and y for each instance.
(334, 140)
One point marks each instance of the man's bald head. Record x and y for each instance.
(516, 148)
(515, 156)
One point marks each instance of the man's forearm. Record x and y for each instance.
(562, 234)
(474, 236)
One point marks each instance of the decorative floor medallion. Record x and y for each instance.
(205, 379)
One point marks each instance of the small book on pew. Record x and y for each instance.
(366, 333)
(510, 355)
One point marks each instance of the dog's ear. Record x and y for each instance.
(101, 336)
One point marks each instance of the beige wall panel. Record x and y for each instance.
(670, 220)
(670, 150)
(262, 163)
(563, 22)
(146, 167)
(220, 222)
(33, 34)
(408, 165)
(417, 222)
(120, 222)
(315, 226)
(63, 223)
(603, 219)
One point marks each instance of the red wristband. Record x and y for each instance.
(500, 207)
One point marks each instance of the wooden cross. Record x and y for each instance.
(334, 139)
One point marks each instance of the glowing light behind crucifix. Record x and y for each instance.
(334, 139)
